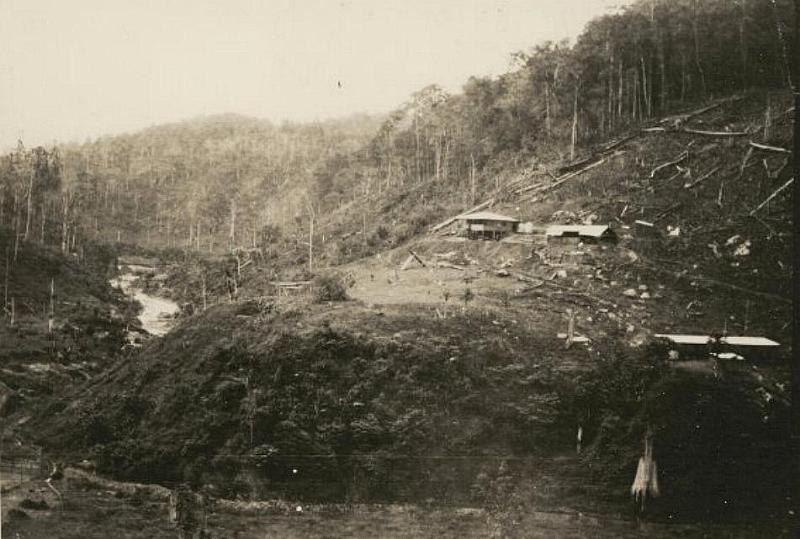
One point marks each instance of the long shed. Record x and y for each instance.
(488, 225)
(582, 233)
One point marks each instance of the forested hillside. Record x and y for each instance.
(214, 183)
(511, 379)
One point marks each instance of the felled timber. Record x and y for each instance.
(479, 207)
(715, 133)
(773, 195)
(698, 181)
(442, 264)
(681, 157)
(289, 284)
(768, 148)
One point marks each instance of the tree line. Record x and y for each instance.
(216, 183)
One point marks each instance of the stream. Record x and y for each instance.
(158, 313)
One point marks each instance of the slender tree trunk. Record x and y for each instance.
(619, 93)
(43, 219)
(574, 121)
(5, 281)
(438, 158)
(787, 68)
(29, 211)
(446, 167)
(64, 219)
(232, 233)
(417, 153)
(697, 62)
(547, 126)
(743, 42)
(610, 110)
(662, 105)
(311, 243)
(683, 77)
(767, 121)
(646, 89)
(472, 177)
(51, 314)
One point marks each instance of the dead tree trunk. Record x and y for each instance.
(472, 178)
(311, 244)
(697, 62)
(5, 281)
(574, 121)
(787, 68)
(51, 313)
(29, 210)
(232, 233)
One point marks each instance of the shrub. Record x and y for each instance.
(329, 288)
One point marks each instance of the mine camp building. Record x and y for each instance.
(488, 225)
(574, 234)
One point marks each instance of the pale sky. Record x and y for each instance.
(72, 69)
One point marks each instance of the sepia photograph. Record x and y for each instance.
(398, 269)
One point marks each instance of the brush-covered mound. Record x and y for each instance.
(327, 402)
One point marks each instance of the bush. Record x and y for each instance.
(329, 288)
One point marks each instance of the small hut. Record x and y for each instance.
(488, 225)
(574, 234)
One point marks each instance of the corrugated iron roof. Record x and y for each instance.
(707, 339)
(592, 231)
(486, 216)
(748, 341)
(685, 339)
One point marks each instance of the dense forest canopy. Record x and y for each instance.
(224, 181)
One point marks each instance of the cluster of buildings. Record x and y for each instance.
(493, 226)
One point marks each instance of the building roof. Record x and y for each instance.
(685, 339)
(486, 216)
(592, 231)
(748, 341)
(707, 339)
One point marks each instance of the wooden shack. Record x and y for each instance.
(574, 234)
(488, 225)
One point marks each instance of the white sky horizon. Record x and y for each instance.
(77, 70)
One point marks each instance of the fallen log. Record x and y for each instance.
(618, 143)
(660, 215)
(744, 162)
(407, 263)
(289, 284)
(527, 188)
(689, 115)
(683, 156)
(569, 176)
(773, 195)
(599, 154)
(442, 264)
(417, 258)
(768, 148)
(479, 207)
(528, 279)
(715, 133)
(702, 178)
